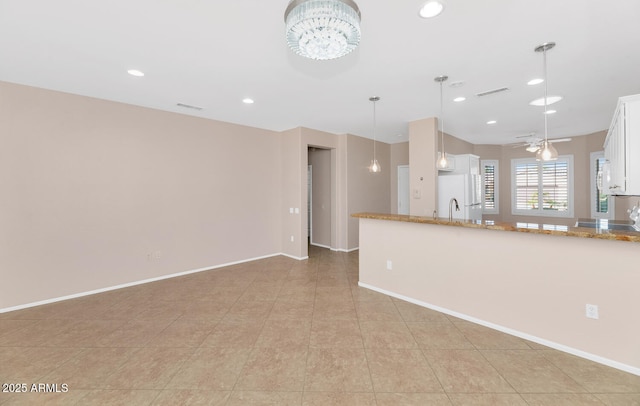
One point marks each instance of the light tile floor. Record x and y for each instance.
(283, 332)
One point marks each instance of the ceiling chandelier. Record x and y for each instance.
(547, 152)
(375, 166)
(322, 29)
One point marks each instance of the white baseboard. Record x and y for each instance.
(551, 344)
(321, 246)
(334, 249)
(126, 285)
(293, 257)
(346, 250)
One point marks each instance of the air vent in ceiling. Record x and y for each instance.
(494, 91)
(188, 106)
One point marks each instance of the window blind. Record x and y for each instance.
(542, 188)
(489, 187)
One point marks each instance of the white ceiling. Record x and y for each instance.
(214, 53)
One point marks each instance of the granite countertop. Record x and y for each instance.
(535, 228)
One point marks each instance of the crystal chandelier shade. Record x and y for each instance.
(322, 29)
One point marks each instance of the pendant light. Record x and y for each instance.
(375, 166)
(442, 159)
(547, 152)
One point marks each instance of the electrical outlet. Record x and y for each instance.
(592, 311)
(292, 239)
(389, 265)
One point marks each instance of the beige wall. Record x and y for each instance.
(456, 146)
(366, 191)
(494, 278)
(423, 176)
(399, 156)
(293, 238)
(96, 194)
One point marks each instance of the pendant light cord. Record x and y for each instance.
(442, 121)
(374, 130)
(544, 71)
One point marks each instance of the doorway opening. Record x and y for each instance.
(320, 195)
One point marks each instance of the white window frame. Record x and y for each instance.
(540, 212)
(610, 215)
(496, 185)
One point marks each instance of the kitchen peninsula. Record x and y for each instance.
(532, 281)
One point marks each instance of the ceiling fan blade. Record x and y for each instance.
(560, 140)
(531, 134)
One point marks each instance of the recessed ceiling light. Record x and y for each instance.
(490, 122)
(550, 101)
(247, 101)
(460, 99)
(135, 72)
(550, 112)
(431, 9)
(535, 81)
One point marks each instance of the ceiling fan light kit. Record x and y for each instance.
(534, 143)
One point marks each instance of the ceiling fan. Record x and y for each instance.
(533, 144)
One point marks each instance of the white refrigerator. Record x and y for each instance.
(466, 189)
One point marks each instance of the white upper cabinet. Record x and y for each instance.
(621, 172)
(467, 164)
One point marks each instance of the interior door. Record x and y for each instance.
(309, 200)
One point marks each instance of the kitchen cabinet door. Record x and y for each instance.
(614, 152)
(621, 173)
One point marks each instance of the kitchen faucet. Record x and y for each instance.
(634, 214)
(451, 202)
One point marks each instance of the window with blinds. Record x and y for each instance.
(489, 186)
(543, 188)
